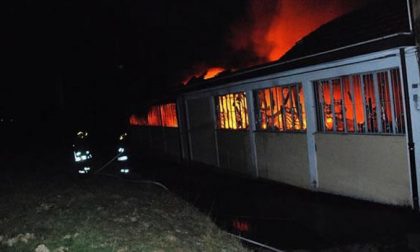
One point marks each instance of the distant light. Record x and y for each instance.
(87, 168)
(82, 171)
(122, 158)
(125, 171)
(121, 150)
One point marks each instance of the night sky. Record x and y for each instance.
(100, 60)
(101, 57)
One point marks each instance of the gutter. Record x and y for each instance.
(271, 65)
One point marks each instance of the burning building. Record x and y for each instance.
(338, 113)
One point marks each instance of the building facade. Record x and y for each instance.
(339, 113)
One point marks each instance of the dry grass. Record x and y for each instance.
(98, 215)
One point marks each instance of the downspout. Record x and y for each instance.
(411, 147)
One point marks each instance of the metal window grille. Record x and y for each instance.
(232, 112)
(361, 103)
(280, 108)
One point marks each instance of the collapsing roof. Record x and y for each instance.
(379, 26)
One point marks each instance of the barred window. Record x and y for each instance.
(232, 112)
(280, 108)
(361, 103)
(159, 115)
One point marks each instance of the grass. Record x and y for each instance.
(100, 214)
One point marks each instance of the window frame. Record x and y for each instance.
(232, 116)
(375, 84)
(300, 109)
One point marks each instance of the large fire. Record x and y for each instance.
(272, 27)
(276, 26)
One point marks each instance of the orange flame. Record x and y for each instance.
(205, 74)
(136, 121)
(159, 115)
(232, 111)
(213, 72)
(273, 34)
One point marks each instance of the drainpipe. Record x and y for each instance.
(411, 147)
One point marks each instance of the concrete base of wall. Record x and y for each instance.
(369, 167)
(283, 157)
(234, 151)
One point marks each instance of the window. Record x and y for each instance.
(365, 103)
(168, 115)
(158, 115)
(232, 112)
(280, 108)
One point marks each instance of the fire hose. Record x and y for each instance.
(247, 240)
(129, 180)
(107, 163)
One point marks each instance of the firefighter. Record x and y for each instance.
(123, 152)
(82, 153)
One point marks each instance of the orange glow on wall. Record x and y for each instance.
(159, 115)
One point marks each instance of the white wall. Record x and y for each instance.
(370, 167)
(283, 157)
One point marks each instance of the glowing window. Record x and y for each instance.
(365, 103)
(232, 112)
(159, 115)
(280, 108)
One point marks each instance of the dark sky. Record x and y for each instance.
(103, 58)
(100, 55)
